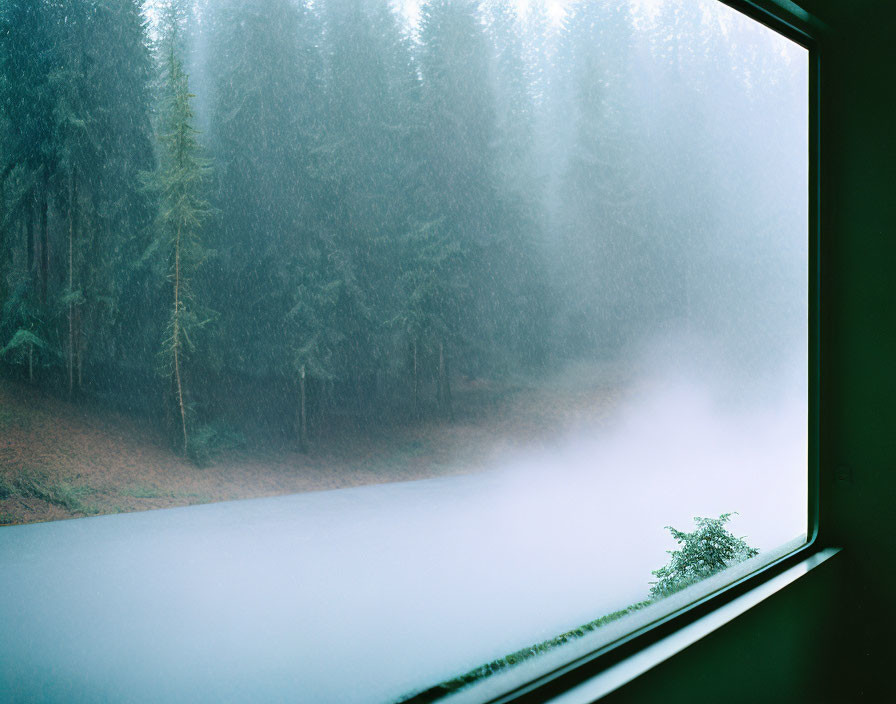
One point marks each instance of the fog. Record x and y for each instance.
(294, 223)
(363, 595)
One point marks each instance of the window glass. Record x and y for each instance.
(505, 300)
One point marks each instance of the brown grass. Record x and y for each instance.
(61, 460)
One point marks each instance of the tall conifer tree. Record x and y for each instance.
(181, 183)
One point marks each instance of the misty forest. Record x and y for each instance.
(243, 223)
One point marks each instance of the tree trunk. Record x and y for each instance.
(44, 240)
(29, 232)
(79, 345)
(3, 247)
(175, 340)
(439, 393)
(323, 406)
(71, 237)
(303, 424)
(30, 362)
(416, 384)
(444, 389)
(448, 400)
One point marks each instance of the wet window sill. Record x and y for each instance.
(624, 671)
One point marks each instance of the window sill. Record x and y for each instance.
(591, 678)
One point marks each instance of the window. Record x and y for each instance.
(485, 293)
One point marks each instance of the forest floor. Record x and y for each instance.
(61, 460)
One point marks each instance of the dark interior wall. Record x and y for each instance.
(781, 651)
(859, 133)
(831, 637)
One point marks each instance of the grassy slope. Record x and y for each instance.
(62, 460)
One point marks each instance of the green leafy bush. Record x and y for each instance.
(708, 550)
(212, 439)
(36, 484)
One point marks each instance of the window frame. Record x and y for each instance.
(785, 18)
(799, 26)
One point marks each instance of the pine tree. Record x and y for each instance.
(123, 297)
(274, 274)
(72, 133)
(29, 160)
(607, 231)
(75, 85)
(435, 292)
(259, 133)
(459, 177)
(372, 147)
(520, 284)
(180, 183)
(472, 181)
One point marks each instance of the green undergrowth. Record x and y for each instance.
(36, 484)
(144, 491)
(147, 491)
(21, 419)
(211, 440)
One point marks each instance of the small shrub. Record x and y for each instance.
(7, 487)
(35, 484)
(210, 440)
(144, 491)
(708, 550)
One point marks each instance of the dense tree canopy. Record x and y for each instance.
(360, 206)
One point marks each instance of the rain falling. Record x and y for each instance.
(465, 300)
